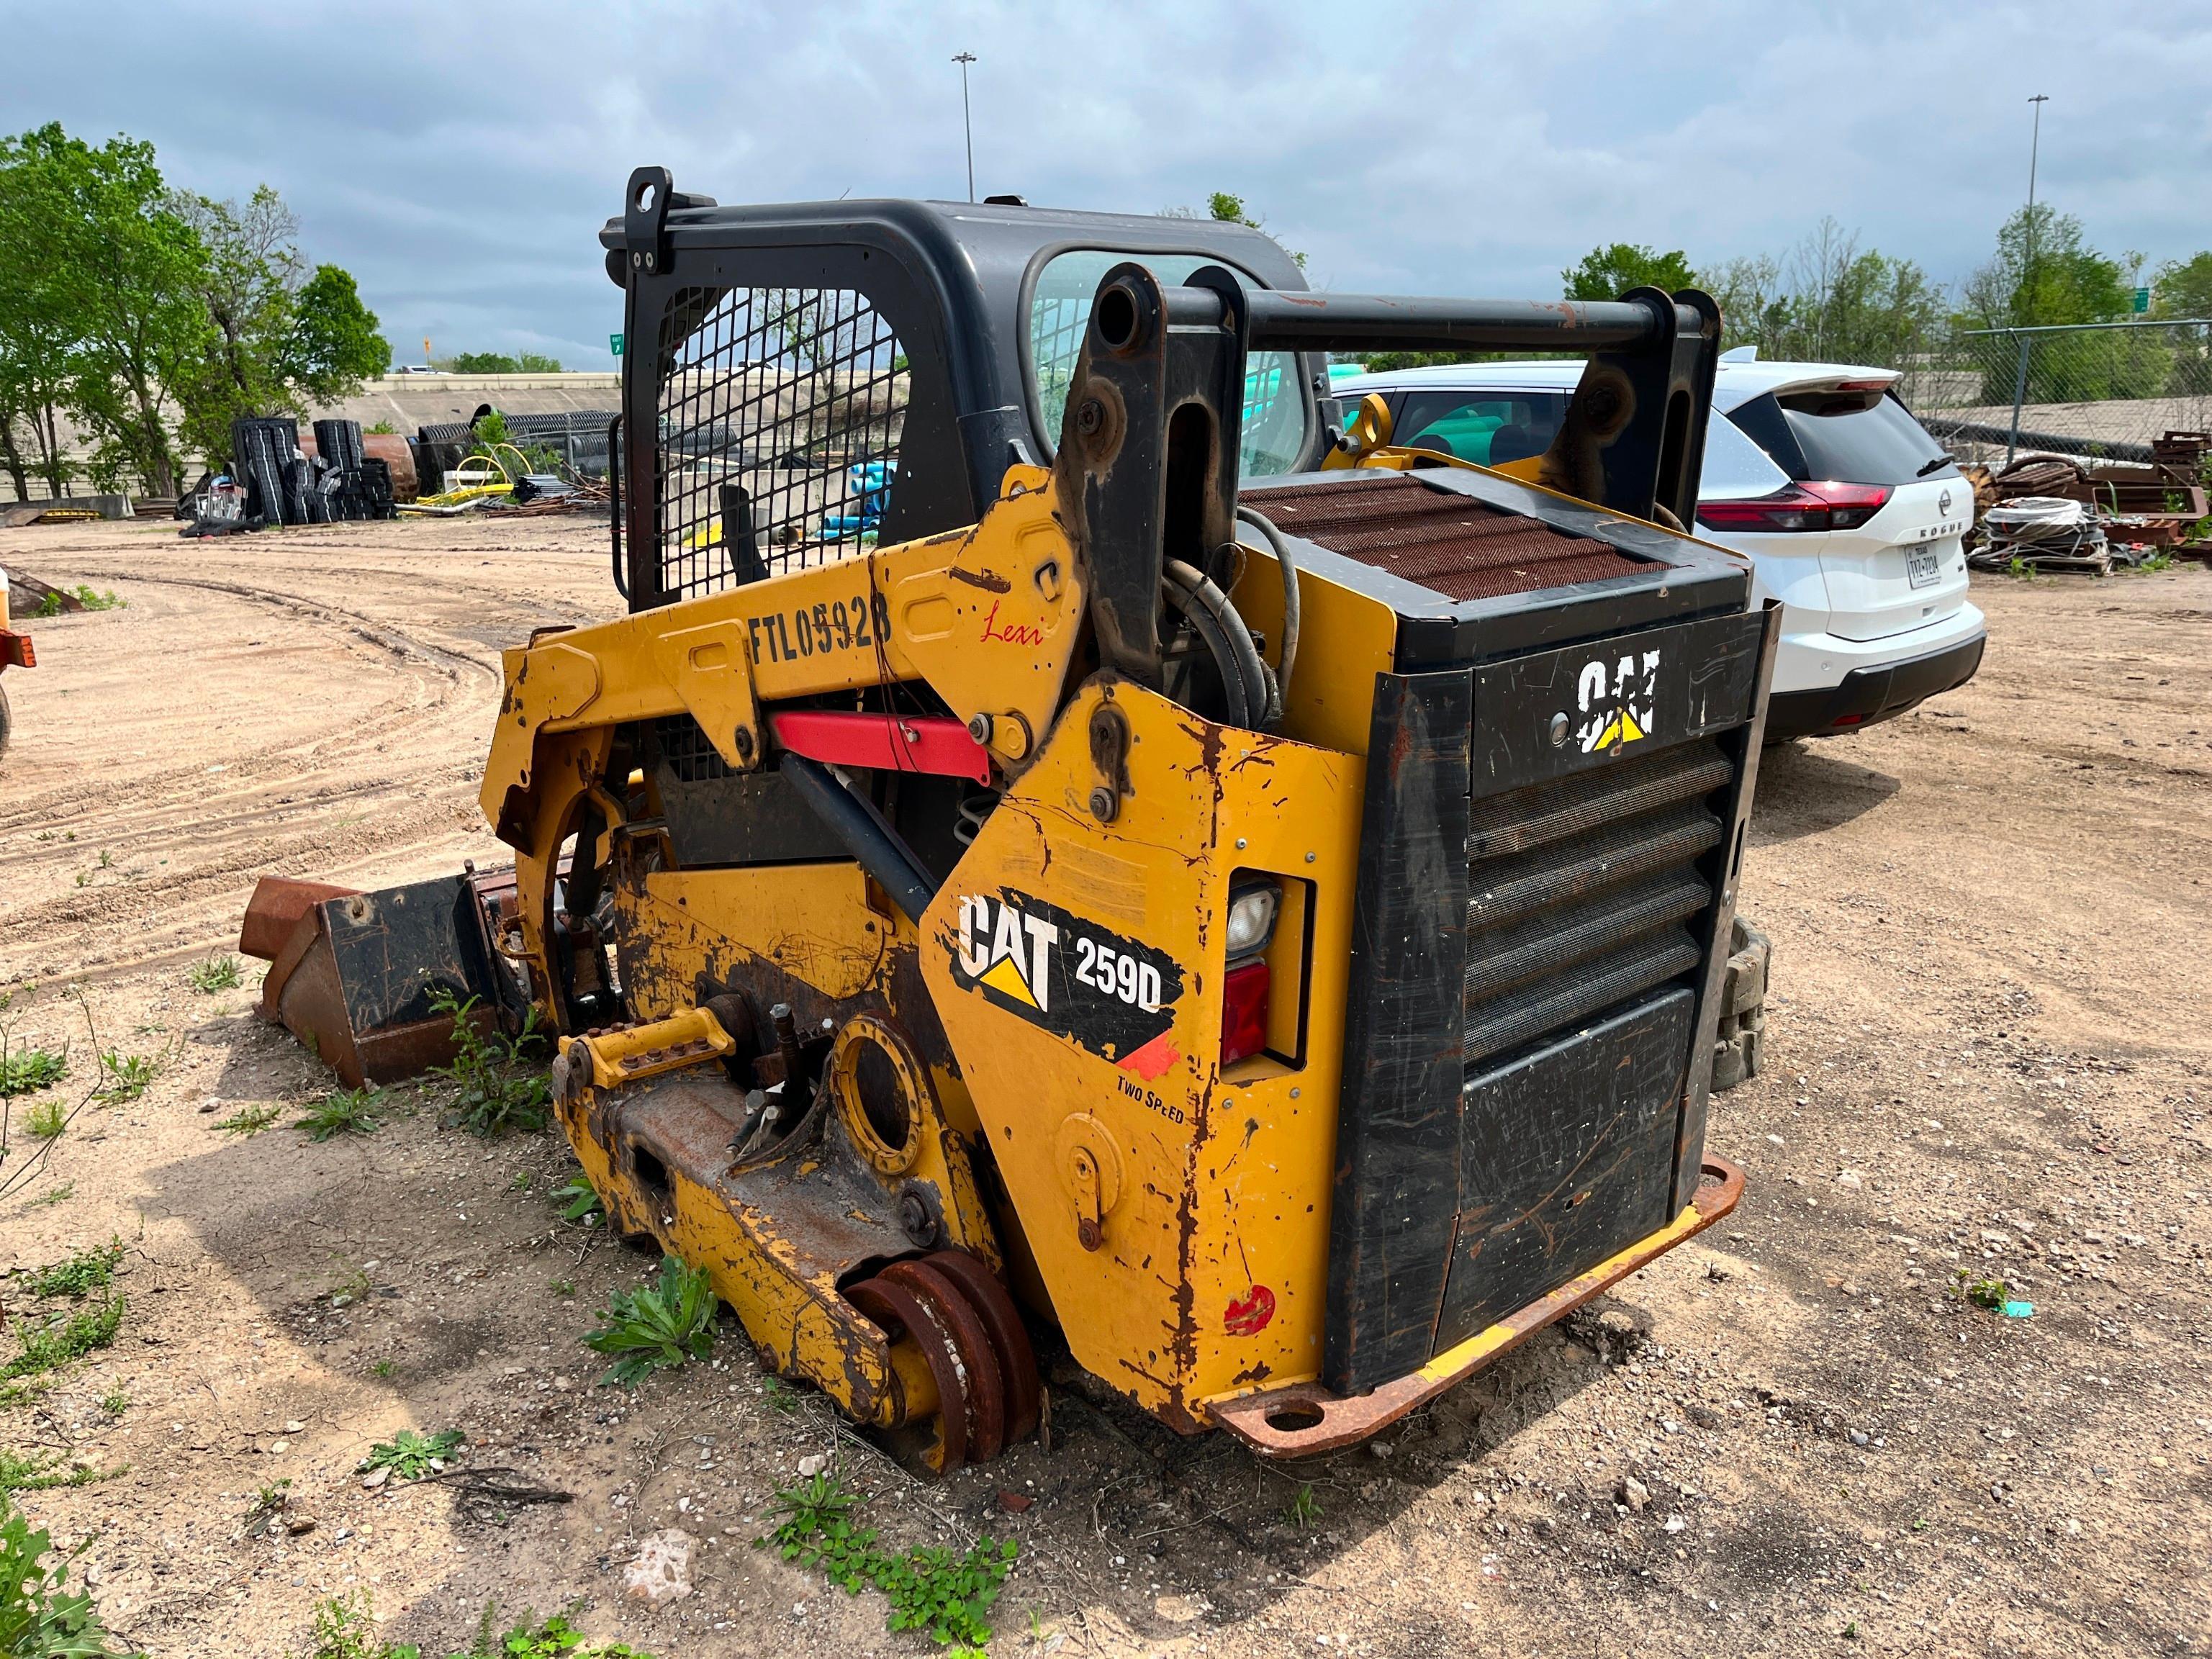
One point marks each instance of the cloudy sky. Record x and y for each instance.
(459, 159)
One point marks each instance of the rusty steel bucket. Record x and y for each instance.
(356, 975)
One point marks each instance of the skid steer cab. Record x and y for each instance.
(1078, 832)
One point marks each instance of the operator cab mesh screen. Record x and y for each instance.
(796, 395)
(1448, 543)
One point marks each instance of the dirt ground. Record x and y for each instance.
(1989, 1051)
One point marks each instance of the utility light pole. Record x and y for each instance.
(2034, 145)
(967, 130)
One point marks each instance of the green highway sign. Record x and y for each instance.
(614, 341)
(2143, 300)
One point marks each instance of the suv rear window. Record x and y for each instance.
(1847, 437)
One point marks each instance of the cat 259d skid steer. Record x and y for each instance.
(1073, 829)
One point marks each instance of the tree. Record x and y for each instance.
(1829, 300)
(532, 362)
(286, 340)
(104, 221)
(2182, 288)
(40, 321)
(1606, 273)
(2044, 273)
(333, 345)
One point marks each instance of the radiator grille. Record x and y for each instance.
(796, 395)
(1580, 891)
(1448, 543)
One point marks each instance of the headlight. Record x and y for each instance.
(1252, 919)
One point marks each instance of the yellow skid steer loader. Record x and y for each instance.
(1069, 835)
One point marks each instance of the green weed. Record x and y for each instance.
(26, 1070)
(268, 1503)
(115, 1402)
(45, 1121)
(347, 1112)
(410, 1456)
(128, 1076)
(563, 1287)
(345, 1628)
(40, 1617)
(1981, 1292)
(54, 1344)
(217, 971)
(60, 1195)
(251, 1120)
(655, 1326)
(946, 1595)
(495, 1086)
(1305, 1512)
(382, 1369)
(579, 1202)
(83, 1270)
(2021, 567)
(39, 1470)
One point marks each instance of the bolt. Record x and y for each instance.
(1242, 843)
(914, 1219)
(744, 744)
(979, 727)
(1103, 806)
(1090, 415)
(1311, 857)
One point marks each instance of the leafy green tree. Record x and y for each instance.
(1829, 300)
(2044, 273)
(285, 340)
(1608, 272)
(41, 320)
(139, 328)
(333, 344)
(534, 362)
(2182, 288)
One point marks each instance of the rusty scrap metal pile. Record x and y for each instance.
(2046, 512)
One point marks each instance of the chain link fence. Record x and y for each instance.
(2095, 391)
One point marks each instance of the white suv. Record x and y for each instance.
(1851, 513)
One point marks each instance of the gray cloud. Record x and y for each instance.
(460, 161)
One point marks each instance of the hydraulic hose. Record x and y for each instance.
(1288, 655)
(1244, 677)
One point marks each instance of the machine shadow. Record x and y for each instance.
(1805, 789)
(1236, 1532)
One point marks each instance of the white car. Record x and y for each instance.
(1852, 516)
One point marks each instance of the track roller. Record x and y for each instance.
(956, 1312)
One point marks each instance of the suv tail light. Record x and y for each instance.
(1811, 506)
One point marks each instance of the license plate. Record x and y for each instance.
(1923, 566)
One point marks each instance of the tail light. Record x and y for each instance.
(1244, 1011)
(1254, 904)
(1811, 506)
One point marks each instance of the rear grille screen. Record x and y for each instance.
(1582, 891)
(797, 396)
(1448, 543)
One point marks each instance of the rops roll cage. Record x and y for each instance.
(1148, 443)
